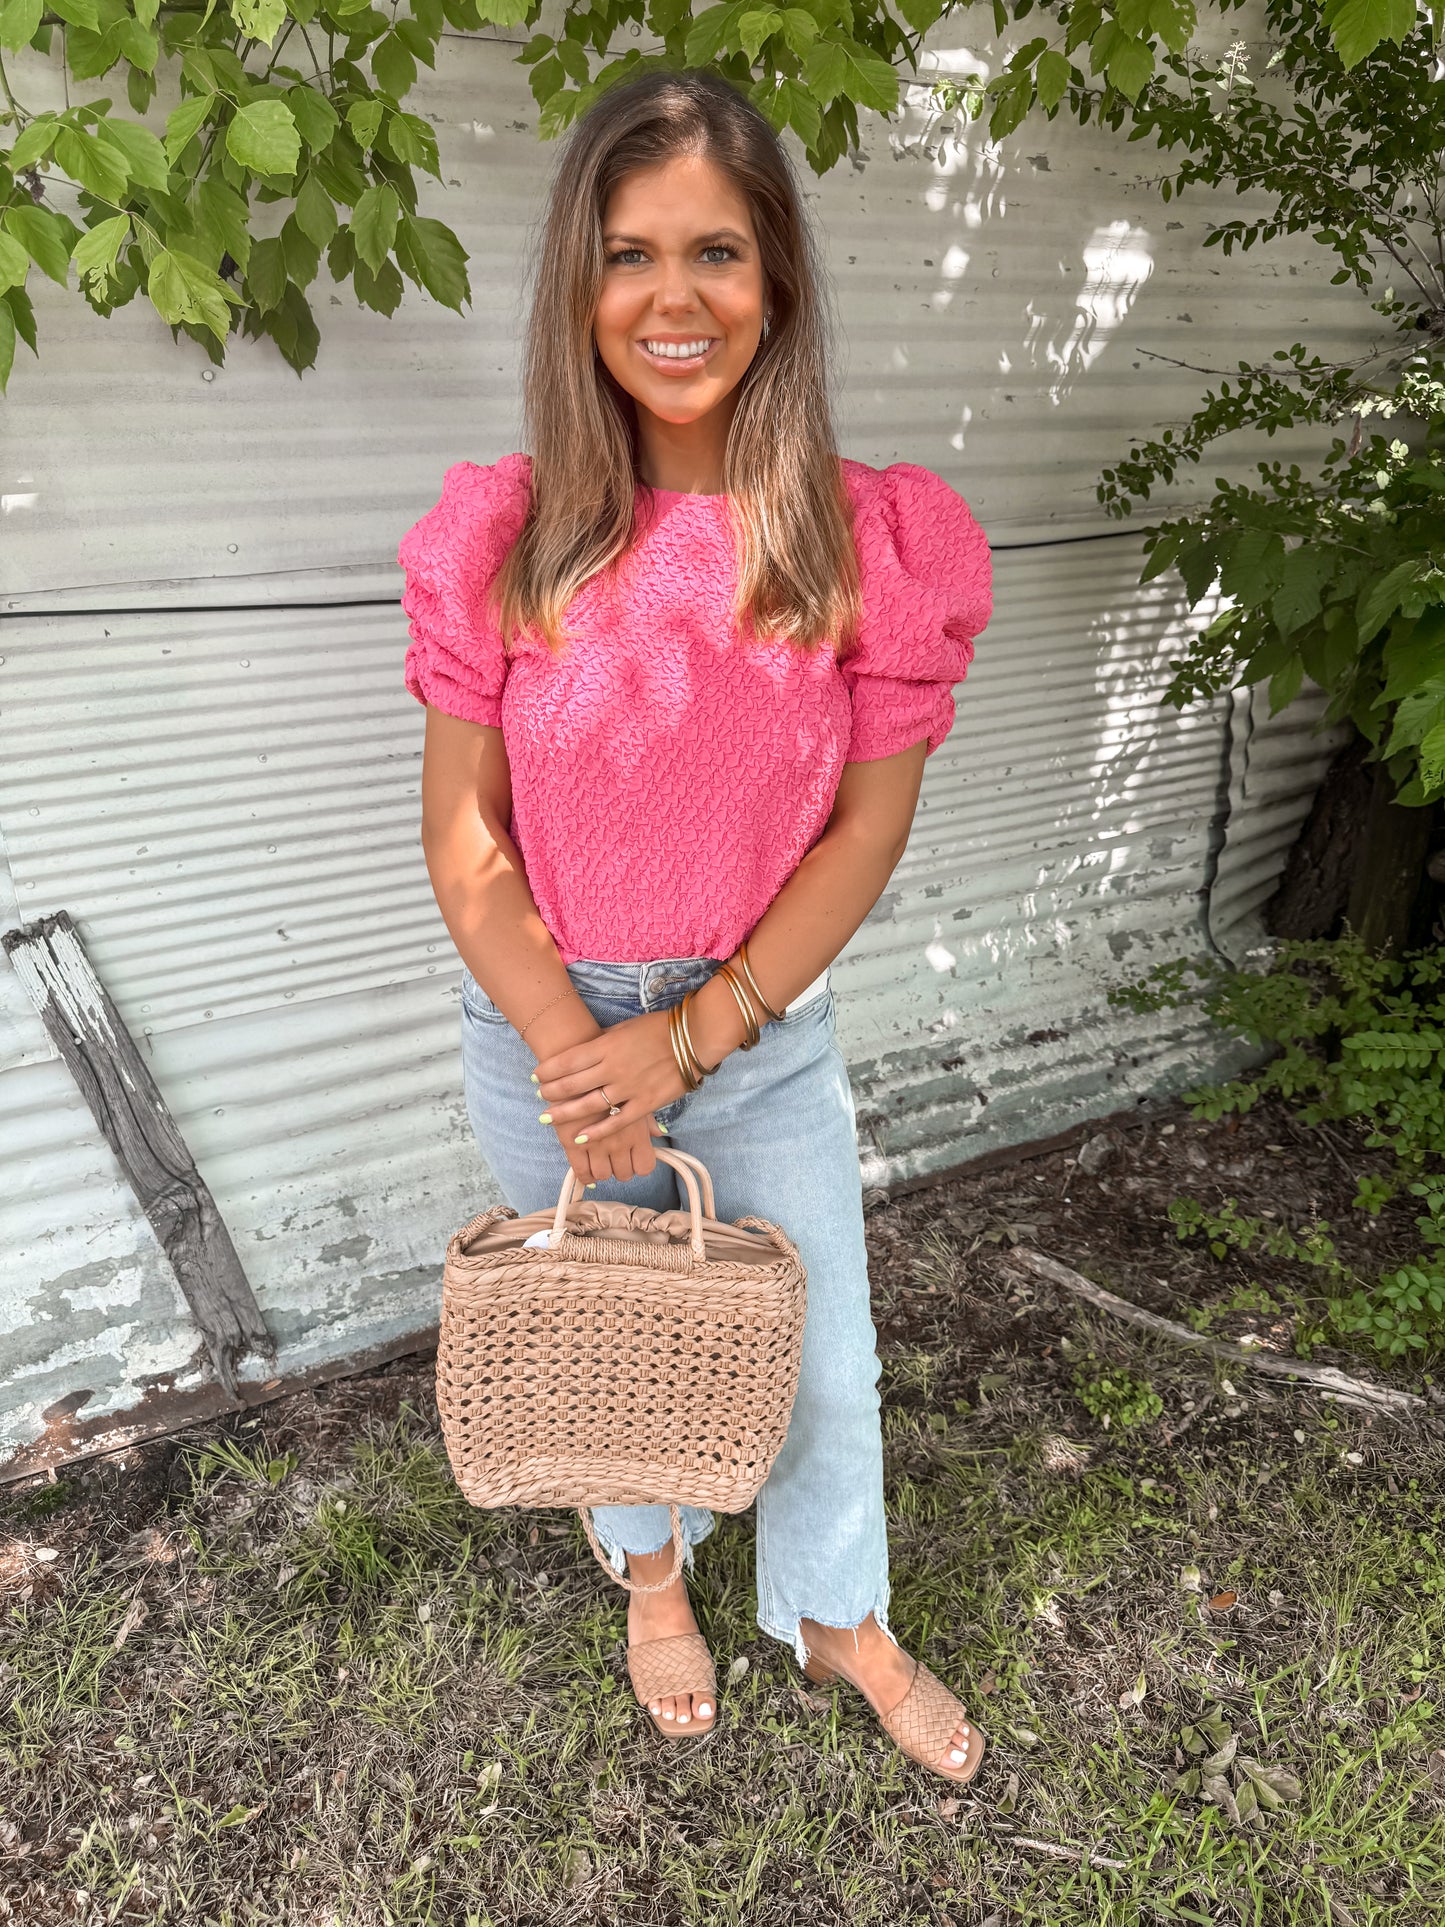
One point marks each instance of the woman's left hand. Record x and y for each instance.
(632, 1059)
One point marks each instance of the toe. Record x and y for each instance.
(958, 1754)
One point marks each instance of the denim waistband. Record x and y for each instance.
(657, 983)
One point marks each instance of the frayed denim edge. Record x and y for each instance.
(617, 1554)
(793, 1636)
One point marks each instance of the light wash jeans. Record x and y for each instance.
(776, 1128)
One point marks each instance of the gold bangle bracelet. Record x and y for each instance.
(752, 1029)
(704, 1070)
(690, 1077)
(752, 982)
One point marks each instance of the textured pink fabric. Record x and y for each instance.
(666, 779)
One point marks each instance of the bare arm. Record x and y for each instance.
(481, 884)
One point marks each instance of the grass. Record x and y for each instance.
(280, 1672)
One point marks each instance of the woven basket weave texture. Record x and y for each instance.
(615, 1367)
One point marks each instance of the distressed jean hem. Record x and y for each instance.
(617, 1553)
(791, 1634)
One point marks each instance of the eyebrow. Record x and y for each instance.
(700, 241)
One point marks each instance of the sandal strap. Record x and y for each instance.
(660, 1668)
(922, 1722)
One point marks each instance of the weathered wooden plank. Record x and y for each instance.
(88, 1031)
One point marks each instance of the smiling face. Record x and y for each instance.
(680, 314)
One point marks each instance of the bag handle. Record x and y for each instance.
(572, 1187)
(704, 1178)
(621, 1578)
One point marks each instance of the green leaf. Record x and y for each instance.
(184, 289)
(1414, 655)
(91, 164)
(1130, 66)
(1051, 77)
(259, 19)
(143, 153)
(46, 237)
(96, 251)
(33, 144)
(1252, 567)
(1284, 685)
(1303, 573)
(138, 44)
(18, 21)
(7, 345)
(799, 110)
(756, 27)
(222, 224)
(1381, 598)
(183, 122)
(835, 67)
(1358, 26)
(78, 13)
(14, 263)
(1432, 759)
(315, 117)
(263, 137)
(315, 211)
(433, 256)
(364, 120)
(393, 66)
(373, 224)
(381, 292)
(1174, 22)
(707, 33)
(1417, 717)
(266, 275)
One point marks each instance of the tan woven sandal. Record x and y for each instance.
(922, 1723)
(667, 1668)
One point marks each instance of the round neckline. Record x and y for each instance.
(681, 494)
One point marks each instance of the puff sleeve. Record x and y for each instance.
(456, 660)
(927, 587)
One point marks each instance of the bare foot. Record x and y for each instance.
(663, 1615)
(883, 1673)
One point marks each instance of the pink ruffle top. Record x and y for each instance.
(666, 779)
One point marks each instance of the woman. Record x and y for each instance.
(727, 655)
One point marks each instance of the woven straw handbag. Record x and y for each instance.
(607, 1354)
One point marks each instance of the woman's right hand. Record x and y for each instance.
(629, 1153)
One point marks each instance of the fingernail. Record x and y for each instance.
(581, 1137)
(544, 1117)
(590, 1187)
(664, 1130)
(534, 1077)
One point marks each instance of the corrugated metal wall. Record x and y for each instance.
(211, 763)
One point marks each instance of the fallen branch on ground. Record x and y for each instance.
(1081, 1854)
(1325, 1378)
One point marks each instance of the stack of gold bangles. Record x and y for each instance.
(689, 1064)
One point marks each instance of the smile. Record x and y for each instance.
(680, 355)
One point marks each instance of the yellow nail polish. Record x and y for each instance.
(581, 1138)
(591, 1187)
(534, 1077)
(544, 1117)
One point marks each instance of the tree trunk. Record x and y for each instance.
(1359, 861)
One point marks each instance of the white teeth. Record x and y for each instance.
(677, 350)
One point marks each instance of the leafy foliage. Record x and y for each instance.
(297, 105)
(286, 105)
(1337, 575)
(1359, 1037)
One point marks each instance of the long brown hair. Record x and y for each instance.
(790, 510)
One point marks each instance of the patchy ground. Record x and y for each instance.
(277, 1671)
